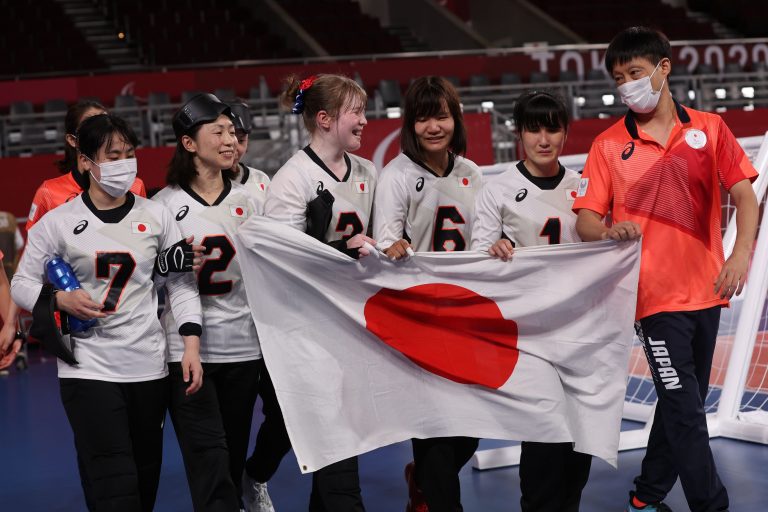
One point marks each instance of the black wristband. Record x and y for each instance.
(190, 329)
(341, 246)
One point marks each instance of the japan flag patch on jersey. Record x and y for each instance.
(237, 211)
(262, 187)
(361, 187)
(570, 194)
(464, 182)
(141, 228)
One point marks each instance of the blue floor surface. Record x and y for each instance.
(38, 471)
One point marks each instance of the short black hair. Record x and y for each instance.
(537, 109)
(72, 120)
(98, 130)
(637, 42)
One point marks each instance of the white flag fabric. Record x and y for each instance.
(365, 353)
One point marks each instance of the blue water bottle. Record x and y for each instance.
(61, 275)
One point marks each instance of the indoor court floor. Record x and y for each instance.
(38, 471)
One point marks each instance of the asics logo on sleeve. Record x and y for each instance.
(521, 194)
(320, 187)
(183, 211)
(80, 227)
(420, 184)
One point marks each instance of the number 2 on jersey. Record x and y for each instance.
(125, 265)
(205, 282)
(347, 220)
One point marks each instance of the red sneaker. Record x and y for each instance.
(416, 501)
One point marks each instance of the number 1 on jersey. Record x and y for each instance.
(551, 230)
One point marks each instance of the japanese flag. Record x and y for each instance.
(365, 353)
(141, 228)
(464, 181)
(237, 211)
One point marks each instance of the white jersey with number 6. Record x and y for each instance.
(434, 213)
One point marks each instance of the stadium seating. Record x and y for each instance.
(582, 17)
(746, 16)
(193, 31)
(361, 34)
(37, 37)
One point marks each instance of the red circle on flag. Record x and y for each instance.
(142, 227)
(447, 330)
(465, 182)
(362, 186)
(239, 211)
(573, 193)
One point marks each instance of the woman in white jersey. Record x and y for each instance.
(327, 192)
(116, 395)
(426, 200)
(254, 180)
(213, 426)
(528, 205)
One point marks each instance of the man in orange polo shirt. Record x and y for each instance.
(658, 171)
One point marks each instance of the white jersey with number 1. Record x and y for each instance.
(526, 209)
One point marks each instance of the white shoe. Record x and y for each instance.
(255, 496)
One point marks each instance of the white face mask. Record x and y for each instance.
(117, 177)
(639, 95)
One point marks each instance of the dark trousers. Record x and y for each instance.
(272, 442)
(438, 462)
(679, 347)
(118, 430)
(336, 488)
(552, 477)
(213, 428)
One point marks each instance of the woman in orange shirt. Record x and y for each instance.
(57, 191)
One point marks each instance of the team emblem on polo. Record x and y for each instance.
(583, 184)
(697, 139)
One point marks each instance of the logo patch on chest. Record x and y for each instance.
(697, 139)
(361, 187)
